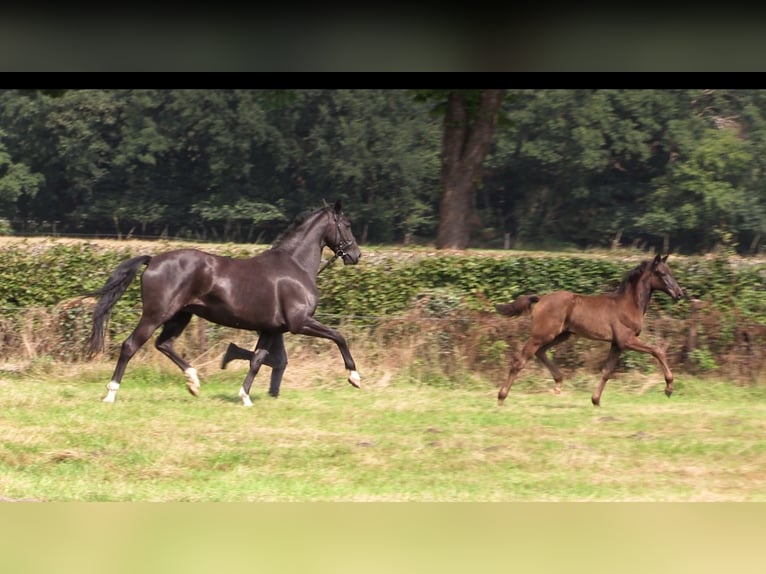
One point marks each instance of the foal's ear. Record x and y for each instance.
(665, 258)
(657, 259)
(337, 206)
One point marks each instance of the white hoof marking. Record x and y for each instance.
(111, 391)
(193, 384)
(354, 378)
(245, 398)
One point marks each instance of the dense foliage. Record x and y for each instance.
(679, 169)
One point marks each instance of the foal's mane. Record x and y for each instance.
(632, 276)
(299, 220)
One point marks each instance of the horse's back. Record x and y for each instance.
(589, 316)
(555, 301)
(182, 263)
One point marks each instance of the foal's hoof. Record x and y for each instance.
(596, 402)
(355, 379)
(668, 392)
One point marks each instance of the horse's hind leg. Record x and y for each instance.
(558, 378)
(259, 356)
(233, 353)
(276, 359)
(133, 343)
(529, 350)
(171, 329)
(606, 372)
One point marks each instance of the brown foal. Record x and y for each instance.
(616, 317)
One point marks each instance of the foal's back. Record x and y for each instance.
(591, 316)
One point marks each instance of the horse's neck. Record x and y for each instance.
(305, 245)
(642, 294)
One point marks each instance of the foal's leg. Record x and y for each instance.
(606, 372)
(558, 378)
(636, 344)
(530, 349)
(133, 343)
(172, 328)
(314, 328)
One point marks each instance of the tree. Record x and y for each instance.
(469, 122)
(379, 151)
(16, 180)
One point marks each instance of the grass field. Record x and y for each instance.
(393, 440)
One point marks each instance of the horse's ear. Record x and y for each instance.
(324, 202)
(657, 259)
(337, 206)
(665, 258)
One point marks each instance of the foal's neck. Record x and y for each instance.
(642, 294)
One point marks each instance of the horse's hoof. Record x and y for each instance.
(193, 389)
(668, 392)
(355, 379)
(228, 355)
(245, 398)
(596, 402)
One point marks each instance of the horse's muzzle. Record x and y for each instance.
(352, 256)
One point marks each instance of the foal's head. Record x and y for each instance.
(661, 279)
(339, 238)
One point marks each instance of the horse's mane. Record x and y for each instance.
(299, 220)
(632, 276)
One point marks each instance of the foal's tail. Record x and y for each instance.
(108, 295)
(518, 307)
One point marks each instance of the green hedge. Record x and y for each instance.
(389, 283)
(388, 286)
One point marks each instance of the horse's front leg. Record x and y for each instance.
(259, 356)
(314, 328)
(637, 344)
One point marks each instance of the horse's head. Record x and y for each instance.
(662, 279)
(339, 237)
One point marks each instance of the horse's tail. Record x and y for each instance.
(108, 295)
(518, 307)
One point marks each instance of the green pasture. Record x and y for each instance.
(394, 440)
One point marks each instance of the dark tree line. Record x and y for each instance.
(680, 169)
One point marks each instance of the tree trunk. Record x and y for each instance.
(464, 148)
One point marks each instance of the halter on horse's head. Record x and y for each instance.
(342, 243)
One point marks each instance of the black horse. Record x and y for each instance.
(272, 293)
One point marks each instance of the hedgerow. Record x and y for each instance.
(721, 322)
